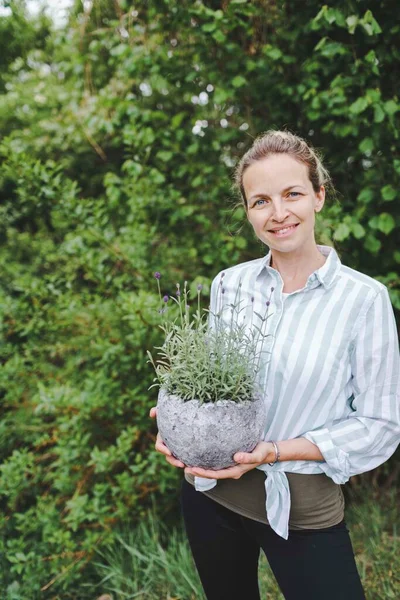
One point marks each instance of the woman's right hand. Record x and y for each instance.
(162, 448)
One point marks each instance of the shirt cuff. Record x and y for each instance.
(337, 462)
(202, 484)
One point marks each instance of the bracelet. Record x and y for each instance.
(277, 453)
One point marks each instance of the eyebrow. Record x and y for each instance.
(289, 187)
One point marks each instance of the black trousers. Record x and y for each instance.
(313, 564)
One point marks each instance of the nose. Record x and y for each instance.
(279, 211)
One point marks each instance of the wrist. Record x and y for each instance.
(274, 454)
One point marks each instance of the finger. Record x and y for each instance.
(161, 447)
(257, 456)
(175, 462)
(247, 458)
(153, 412)
(229, 473)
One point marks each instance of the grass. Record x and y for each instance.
(153, 562)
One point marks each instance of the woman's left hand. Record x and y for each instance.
(263, 453)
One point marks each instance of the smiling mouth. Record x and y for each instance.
(283, 230)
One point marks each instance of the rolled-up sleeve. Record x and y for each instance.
(371, 432)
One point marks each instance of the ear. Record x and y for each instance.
(319, 199)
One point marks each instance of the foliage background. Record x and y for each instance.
(119, 134)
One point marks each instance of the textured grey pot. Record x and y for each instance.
(208, 435)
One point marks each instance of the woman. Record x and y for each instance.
(331, 394)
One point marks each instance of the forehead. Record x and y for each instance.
(275, 173)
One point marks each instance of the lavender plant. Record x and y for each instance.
(207, 355)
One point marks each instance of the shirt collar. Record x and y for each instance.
(326, 274)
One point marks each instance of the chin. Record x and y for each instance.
(284, 246)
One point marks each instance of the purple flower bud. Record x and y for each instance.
(199, 287)
(157, 275)
(272, 289)
(178, 292)
(252, 298)
(223, 290)
(165, 298)
(222, 275)
(268, 303)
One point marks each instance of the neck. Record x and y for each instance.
(296, 267)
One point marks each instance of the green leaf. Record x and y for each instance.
(220, 96)
(321, 14)
(208, 27)
(396, 256)
(371, 57)
(359, 105)
(240, 242)
(366, 195)
(379, 114)
(366, 146)
(177, 119)
(358, 230)
(373, 222)
(373, 95)
(219, 36)
(386, 223)
(197, 181)
(367, 27)
(165, 155)
(370, 24)
(388, 193)
(391, 107)
(20, 556)
(372, 244)
(352, 22)
(341, 232)
(272, 52)
(238, 81)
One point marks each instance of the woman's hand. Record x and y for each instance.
(162, 448)
(263, 453)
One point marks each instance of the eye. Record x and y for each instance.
(294, 194)
(260, 202)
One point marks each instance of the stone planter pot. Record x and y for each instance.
(208, 435)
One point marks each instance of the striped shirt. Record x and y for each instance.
(333, 375)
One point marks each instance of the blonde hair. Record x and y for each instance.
(283, 142)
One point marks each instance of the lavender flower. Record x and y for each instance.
(192, 349)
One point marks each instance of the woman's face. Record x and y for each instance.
(281, 202)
